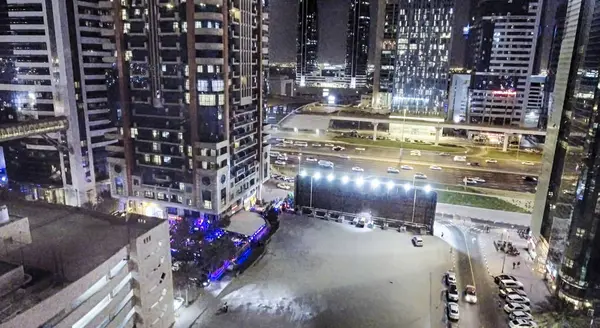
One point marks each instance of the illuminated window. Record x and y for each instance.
(167, 159)
(146, 158)
(210, 69)
(200, 69)
(166, 134)
(209, 24)
(184, 26)
(568, 263)
(156, 160)
(198, 24)
(187, 70)
(180, 136)
(221, 100)
(155, 133)
(189, 150)
(187, 97)
(134, 131)
(155, 146)
(202, 85)
(217, 85)
(206, 100)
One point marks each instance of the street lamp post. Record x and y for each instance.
(519, 146)
(414, 200)
(311, 185)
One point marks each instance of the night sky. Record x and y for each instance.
(333, 17)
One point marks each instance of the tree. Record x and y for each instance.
(217, 252)
(555, 312)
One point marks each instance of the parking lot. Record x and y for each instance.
(325, 274)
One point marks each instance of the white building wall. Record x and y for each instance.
(458, 97)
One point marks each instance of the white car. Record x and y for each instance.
(300, 144)
(469, 181)
(479, 180)
(311, 159)
(491, 160)
(435, 168)
(450, 277)
(329, 145)
(282, 157)
(452, 293)
(283, 186)
(392, 170)
(274, 154)
(337, 148)
(316, 145)
(417, 241)
(420, 176)
(406, 167)
(415, 153)
(325, 163)
(511, 307)
(528, 163)
(288, 142)
(522, 323)
(520, 315)
(280, 163)
(360, 149)
(280, 139)
(514, 298)
(453, 313)
(358, 169)
(470, 294)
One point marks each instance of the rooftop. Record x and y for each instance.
(80, 239)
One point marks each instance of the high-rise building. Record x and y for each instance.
(385, 53)
(307, 40)
(422, 55)
(458, 97)
(56, 61)
(191, 78)
(357, 40)
(565, 218)
(503, 38)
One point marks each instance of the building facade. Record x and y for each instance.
(385, 53)
(504, 37)
(357, 40)
(307, 40)
(565, 217)
(458, 97)
(55, 62)
(422, 55)
(191, 140)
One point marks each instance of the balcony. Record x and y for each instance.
(244, 146)
(244, 157)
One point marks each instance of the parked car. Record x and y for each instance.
(529, 178)
(522, 323)
(417, 241)
(329, 145)
(520, 315)
(491, 160)
(282, 163)
(311, 159)
(514, 298)
(473, 164)
(406, 167)
(420, 176)
(469, 181)
(511, 307)
(501, 277)
(508, 291)
(415, 153)
(316, 145)
(435, 168)
(358, 169)
(478, 179)
(452, 293)
(444, 154)
(324, 163)
(337, 148)
(450, 278)
(453, 312)
(392, 170)
(510, 284)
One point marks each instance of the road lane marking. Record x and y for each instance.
(469, 257)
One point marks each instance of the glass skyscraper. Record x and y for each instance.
(307, 40)
(357, 40)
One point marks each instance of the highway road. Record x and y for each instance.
(447, 176)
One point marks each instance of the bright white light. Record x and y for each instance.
(317, 176)
(360, 181)
(296, 130)
(330, 177)
(317, 131)
(407, 186)
(303, 173)
(427, 188)
(390, 184)
(374, 183)
(331, 100)
(345, 179)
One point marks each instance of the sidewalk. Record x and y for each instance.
(208, 301)
(536, 289)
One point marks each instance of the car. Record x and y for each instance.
(435, 168)
(470, 294)
(491, 160)
(324, 163)
(469, 181)
(528, 163)
(415, 153)
(520, 315)
(460, 158)
(337, 148)
(282, 157)
(358, 169)
(275, 176)
(284, 186)
(289, 179)
(274, 154)
(288, 142)
(508, 291)
(329, 145)
(473, 164)
(522, 323)
(479, 180)
(501, 277)
(311, 159)
(406, 167)
(510, 284)
(514, 298)
(301, 144)
(453, 313)
(280, 163)
(280, 139)
(529, 178)
(452, 293)
(450, 278)
(511, 307)
(360, 148)
(316, 145)
(392, 170)
(417, 241)
(444, 154)
(420, 176)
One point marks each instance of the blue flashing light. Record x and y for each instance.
(216, 275)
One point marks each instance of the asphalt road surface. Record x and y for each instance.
(447, 176)
(326, 274)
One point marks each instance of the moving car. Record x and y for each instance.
(501, 277)
(528, 163)
(514, 298)
(469, 181)
(452, 293)
(415, 153)
(288, 142)
(420, 176)
(479, 180)
(529, 178)
(392, 170)
(417, 241)
(520, 315)
(358, 169)
(360, 148)
(453, 313)
(460, 158)
(511, 307)
(324, 163)
(316, 145)
(406, 167)
(491, 160)
(284, 186)
(470, 294)
(521, 323)
(473, 164)
(311, 159)
(279, 162)
(450, 278)
(435, 168)
(282, 157)
(362, 221)
(329, 145)
(508, 291)
(444, 154)
(301, 144)
(337, 148)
